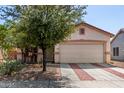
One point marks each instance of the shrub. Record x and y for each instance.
(9, 67)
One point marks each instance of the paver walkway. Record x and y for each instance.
(93, 75)
(83, 75)
(77, 75)
(99, 74)
(92, 72)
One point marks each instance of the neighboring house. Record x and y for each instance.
(11, 54)
(117, 46)
(88, 44)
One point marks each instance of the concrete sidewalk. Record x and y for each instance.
(61, 84)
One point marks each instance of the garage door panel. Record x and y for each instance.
(81, 53)
(68, 60)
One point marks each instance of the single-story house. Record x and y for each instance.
(117, 46)
(88, 44)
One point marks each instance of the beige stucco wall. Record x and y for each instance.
(90, 34)
(39, 56)
(56, 56)
(108, 51)
(19, 55)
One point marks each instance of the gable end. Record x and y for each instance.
(96, 29)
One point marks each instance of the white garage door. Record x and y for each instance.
(81, 54)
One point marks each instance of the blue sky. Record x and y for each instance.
(109, 18)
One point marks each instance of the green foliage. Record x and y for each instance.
(43, 25)
(48, 25)
(9, 67)
(7, 37)
(2, 33)
(11, 12)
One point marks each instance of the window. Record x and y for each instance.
(116, 51)
(113, 51)
(82, 31)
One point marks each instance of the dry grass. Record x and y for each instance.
(117, 63)
(33, 72)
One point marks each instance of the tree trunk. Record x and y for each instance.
(23, 55)
(44, 59)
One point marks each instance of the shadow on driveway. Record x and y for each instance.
(93, 67)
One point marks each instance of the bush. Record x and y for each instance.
(9, 67)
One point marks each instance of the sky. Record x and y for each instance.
(109, 18)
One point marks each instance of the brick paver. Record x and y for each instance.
(110, 70)
(97, 73)
(83, 75)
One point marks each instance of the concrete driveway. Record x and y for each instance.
(91, 75)
(76, 76)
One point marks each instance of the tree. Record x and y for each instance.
(7, 38)
(12, 14)
(2, 37)
(46, 26)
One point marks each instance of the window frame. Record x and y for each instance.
(115, 51)
(82, 31)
